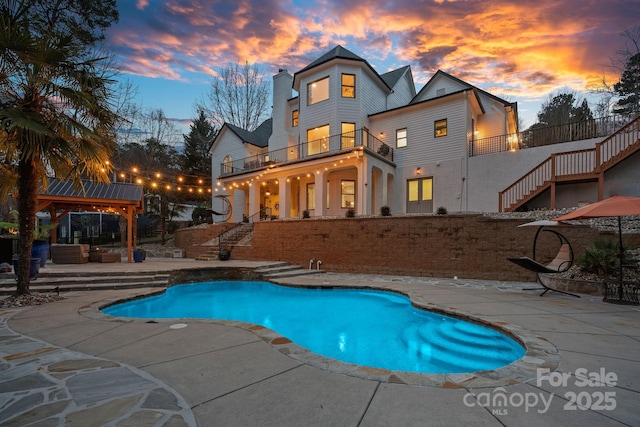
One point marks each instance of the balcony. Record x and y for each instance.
(536, 137)
(317, 149)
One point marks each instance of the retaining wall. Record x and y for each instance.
(467, 246)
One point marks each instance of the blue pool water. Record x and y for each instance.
(370, 328)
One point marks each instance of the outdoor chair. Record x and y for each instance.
(562, 262)
(70, 254)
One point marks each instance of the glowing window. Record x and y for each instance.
(348, 189)
(318, 91)
(401, 137)
(318, 140)
(348, 86)
(294, 118)
(440, 128)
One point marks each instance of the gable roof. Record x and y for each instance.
(392, 77)
(338, 52)
(258, 137)
(462, 82)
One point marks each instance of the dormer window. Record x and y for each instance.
(318, 91)
(348, 86)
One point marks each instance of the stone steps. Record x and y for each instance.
(284, 269)
(66, 282)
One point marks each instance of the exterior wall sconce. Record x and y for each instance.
(418, 171)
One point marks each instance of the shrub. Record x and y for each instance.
(351, 213)
(385, 211)
(601, 258)
(441, 210)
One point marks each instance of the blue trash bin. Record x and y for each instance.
(137, 256)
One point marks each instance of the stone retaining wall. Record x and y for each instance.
(466, 246)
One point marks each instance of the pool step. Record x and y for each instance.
(285, 270)
(48, 282)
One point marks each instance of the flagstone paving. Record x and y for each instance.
(64, 363)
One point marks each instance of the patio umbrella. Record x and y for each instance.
(616, 206)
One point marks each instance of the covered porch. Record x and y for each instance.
(323, 185)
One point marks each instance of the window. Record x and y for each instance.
(318, 140)
(440, 128)
(348, 139)
(420, 195)
(348, 192)
(401, 137)
(311, 196)
(348, 86)
(318, 91)
(227, 165)
(294, 118)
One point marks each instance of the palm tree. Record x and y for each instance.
(55, 117)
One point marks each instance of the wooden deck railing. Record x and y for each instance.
(578, 165)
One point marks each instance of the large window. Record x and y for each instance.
(401, 137)
(348, 86)
(420, 195)
(318, 91)
(348, 139)
(348, 191)
(318, 140)
(311, 196)
(440, 128)
(227, 164)
(294, 118)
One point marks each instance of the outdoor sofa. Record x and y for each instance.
(70, 254)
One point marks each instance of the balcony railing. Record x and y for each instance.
(329, 146)
(594, 128)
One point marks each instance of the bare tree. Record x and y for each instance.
(240, 96)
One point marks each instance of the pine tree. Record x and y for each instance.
(628, 88)
(195, 159)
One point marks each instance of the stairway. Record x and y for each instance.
(227, 240)
(85, 281)
(572, 167)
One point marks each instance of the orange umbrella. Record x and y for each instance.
(613, 206)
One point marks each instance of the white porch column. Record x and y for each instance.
(238, 202)
(363, 191)
(321, 193)
(254, 199)
(284, 190)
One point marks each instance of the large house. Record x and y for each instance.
(344, 137)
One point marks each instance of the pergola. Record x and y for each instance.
(62, 197)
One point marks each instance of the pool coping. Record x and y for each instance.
(539, 352)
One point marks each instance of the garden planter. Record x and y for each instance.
(34, 269)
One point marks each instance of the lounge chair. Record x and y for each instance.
(562, 262)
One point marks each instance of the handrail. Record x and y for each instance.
(333, 144)
(577, 164)
(575, 131)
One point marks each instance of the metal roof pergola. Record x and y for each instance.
(62, 197)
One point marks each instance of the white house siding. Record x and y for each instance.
(403, 93)
(228, 144)
(440, 82)
(321, 113)
(493, 122)
(489, 174)
(281, 111)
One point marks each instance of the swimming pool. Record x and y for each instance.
(365, 327)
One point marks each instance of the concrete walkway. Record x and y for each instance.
(65, 363)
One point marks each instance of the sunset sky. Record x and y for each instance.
(519, 50)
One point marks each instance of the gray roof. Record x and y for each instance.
(339, 52)
(94, 190)
(259, 137)
(336, 52)
(392, 77)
